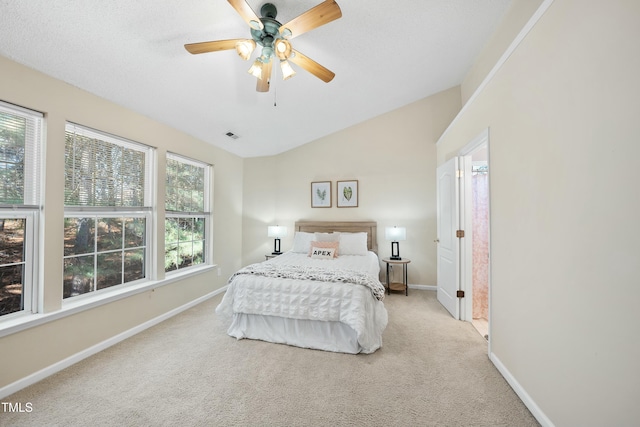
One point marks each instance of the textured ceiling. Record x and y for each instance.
(385, 55)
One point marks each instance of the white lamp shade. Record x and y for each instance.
(276, 231)
(395, 234)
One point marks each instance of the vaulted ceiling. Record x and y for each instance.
(384, 54)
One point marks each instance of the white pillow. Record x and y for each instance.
(302, 242)
(327, 237)
(323, 253)
(353, 244)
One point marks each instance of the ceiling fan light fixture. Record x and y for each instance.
(283, 49)
(256, 69)
(287, 70)
(245, 48)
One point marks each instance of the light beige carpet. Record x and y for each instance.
(431, 371)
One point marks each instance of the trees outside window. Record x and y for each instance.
(187, 217)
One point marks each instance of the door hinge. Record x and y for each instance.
(459, 173)
(460, 294)
(460, 233)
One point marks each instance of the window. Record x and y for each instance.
(188, 215)
(20, 148)
(107, 211)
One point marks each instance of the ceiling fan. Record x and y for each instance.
(274, 38)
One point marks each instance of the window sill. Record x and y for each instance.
(26, 321)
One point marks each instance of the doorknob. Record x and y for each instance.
(436, 241)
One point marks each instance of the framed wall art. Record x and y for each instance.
(321, 194)
(347, 192)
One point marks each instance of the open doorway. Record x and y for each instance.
(475, 220)
(480, 240)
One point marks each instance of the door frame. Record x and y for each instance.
(466, 219)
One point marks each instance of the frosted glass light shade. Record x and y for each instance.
(283, 49)
(256, 69)
(245, 48)
(287, 71)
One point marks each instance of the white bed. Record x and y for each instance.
(287, 300)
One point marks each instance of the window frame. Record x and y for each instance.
(147, 212)
(206, 214)
(30, 261)
(95, 215)
(30, 210)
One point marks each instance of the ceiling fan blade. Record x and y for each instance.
(245, 11)
(312, 66)
(321, 14)
(214, 46)
(264, 83)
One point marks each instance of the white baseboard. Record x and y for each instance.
(423, 287)
(524, 396)
(65, 363)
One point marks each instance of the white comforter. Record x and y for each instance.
(351, 304)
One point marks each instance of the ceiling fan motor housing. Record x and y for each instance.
(271, 31)
(268, 10)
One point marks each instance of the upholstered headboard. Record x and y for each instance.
(369, 227)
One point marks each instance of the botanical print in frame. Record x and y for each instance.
(321, 194)
(347, 194)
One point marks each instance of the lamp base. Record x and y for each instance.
(395, 251)
(276, 247)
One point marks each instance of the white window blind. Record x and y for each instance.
(102, 170)
(20, 136)
(187, 185)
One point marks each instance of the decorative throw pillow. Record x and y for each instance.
(302, 242)
(321, 247)
(323, 253)
(353, 244)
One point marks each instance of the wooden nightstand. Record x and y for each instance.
(397, 286)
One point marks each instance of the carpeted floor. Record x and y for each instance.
(431, 371)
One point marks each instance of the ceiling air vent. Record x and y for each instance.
(232, 135)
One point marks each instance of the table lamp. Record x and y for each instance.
(277, 232)
(395, 234)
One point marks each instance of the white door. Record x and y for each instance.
(448, 244)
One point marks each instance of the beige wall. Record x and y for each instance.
(518, 14)
(392, 157)
(39, 347)
(562, 114)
